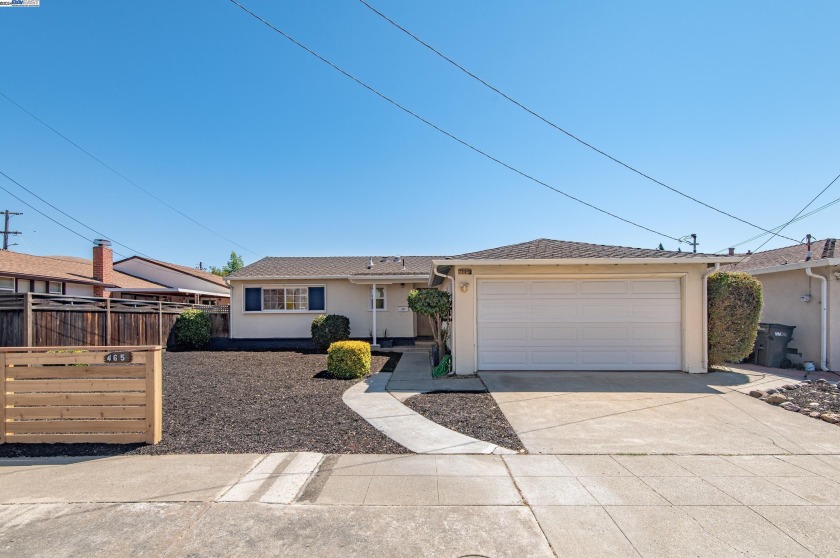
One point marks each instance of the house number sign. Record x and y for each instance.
(118, 357)
(465, 271)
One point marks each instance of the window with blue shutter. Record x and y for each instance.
(317, 299)
(253, 299)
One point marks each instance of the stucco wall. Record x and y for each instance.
(77, 289)
(464, 308)
(169, 277)
(782, 305)
(342, 297)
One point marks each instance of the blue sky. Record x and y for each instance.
(197, 102)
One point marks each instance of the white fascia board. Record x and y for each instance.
(592, 261)
(369, 279)
(287, 278)
(794, 266)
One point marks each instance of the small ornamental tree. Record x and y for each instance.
(437, 306)
(735, 301)
(192, 329)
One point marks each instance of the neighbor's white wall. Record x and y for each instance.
(342, 297)
(465, 312)
(834, 320)
(169, 277)
(77, 289)
(782, 305)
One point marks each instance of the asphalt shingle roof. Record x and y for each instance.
(820, 249)
(334, 266)
(547, 249)
(63, 268)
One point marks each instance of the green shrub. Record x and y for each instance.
(327, 329)
(348, 359)
(735, 302)
(192, 330)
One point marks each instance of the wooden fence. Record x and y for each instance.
(44, 320)
(80, 394)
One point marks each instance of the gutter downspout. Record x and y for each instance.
(706, 316)
(823, 317)
(373, 304)
(451, 323)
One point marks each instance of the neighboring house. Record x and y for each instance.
(279, 297)
(196, 285)
(66, 275)
(539, 305)
(792, 297)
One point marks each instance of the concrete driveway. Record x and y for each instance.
(653, 413)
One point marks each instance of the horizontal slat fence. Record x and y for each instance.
(74, 395)
(44, 320)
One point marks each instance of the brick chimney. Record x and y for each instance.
(103, 266)
(732, 251)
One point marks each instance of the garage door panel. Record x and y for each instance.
(503, 287)
(598, 287)
(553, 287)
(554, 310)
(574, 324)
(552, 334)
(606, 311)
(658, 287)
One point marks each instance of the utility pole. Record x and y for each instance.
(6, 232)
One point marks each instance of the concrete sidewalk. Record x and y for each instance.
(422, 505)
(413, 375)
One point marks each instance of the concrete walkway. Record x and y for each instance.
(421, 505)
(653, 412)
(414, 375)
(382, 410)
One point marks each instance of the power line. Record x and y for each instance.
(103, 235)
(793, 219)
(557, 126)
(801, 217)
(119, 174)
(441, 130)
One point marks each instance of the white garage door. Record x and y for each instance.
(579, 324)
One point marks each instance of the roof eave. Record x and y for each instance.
(420, 276)
(793, 266)
(591, 261)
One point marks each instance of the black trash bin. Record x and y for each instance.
(771, 345)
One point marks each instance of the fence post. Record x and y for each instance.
(107, 322)
(160, 324)
(2, 398)
(154, 395)
(27, 320)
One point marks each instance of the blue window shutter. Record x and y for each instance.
(316, 298)
(253, 299)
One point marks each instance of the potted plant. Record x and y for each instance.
(437, 307)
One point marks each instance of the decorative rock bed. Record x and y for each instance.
(818, 399)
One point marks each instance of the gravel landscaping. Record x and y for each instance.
(243, 402)
(818, 399)
(472, 414)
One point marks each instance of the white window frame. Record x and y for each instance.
(384, 299)
(7, 289)
(283, 310)
(60, 287)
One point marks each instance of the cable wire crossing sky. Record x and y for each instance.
(651, 122)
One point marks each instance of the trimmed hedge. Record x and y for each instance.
(348, 359)
(192, 330)
(735, 301)
(327, 329)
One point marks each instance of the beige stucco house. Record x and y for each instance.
(277, 298)
(539, 305)
(794, 297)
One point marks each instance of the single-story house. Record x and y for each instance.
(133, 278)
(539, 305)
(802, 290)
(279, 297)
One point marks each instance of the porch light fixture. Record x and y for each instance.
(465, 286)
